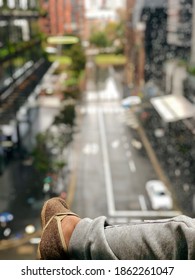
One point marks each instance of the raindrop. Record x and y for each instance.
(177, 172)
(186, 187)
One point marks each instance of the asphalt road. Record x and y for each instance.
(112, 161)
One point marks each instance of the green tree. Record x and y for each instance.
(41, 155)
(115, 32)
(99, 39)
(111, 31)
(78, 58)
(67, 115)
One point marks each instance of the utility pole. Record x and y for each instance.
(192, 59)
(129, 44)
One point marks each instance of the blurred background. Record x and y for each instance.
(97, 106)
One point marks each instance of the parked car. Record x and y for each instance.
(131, 101)
(5, 224)
(159, 195)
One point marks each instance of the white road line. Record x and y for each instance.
(142, 203)
(132, 166)
(147, 213)
(106, 164)
(118, 220)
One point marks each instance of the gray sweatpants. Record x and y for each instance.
(168, 239)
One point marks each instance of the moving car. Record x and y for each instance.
(159, 195)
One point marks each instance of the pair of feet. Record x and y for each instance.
(58, 224)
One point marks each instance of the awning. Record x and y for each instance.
(63, 40)
(172, 107)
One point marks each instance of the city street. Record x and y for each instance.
(109, 163)
(111, 169)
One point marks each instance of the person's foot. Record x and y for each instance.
(68, 225)
(58, 223)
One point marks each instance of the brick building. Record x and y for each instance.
(60, 17)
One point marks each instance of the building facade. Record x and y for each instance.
(99, 13)
(163, 29)
(22, 62)
(62, 17)
(179, 23)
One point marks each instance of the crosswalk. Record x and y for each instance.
(126, 117)
(94, 109)
(102, 96)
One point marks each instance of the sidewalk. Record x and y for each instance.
(173, 146)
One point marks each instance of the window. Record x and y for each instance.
(11, 4)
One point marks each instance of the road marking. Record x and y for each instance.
(142, 203)
(115, 144)
(118, 220)
(106, 164)
(132, 166)
(91, 149)
(147, 213)
(92, 109)
(91, 96)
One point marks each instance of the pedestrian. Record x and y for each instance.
(66, 236)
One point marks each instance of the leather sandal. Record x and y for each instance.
(51, 207)
(52, 245)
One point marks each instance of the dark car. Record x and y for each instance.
(6, 219)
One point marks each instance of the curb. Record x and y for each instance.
(154, 160)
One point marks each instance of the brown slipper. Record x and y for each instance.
(51, 207)
(52, 245)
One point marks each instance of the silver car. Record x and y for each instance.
(159, 195)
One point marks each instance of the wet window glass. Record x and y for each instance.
(97, 105)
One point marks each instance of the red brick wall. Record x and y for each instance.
(59, 18)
